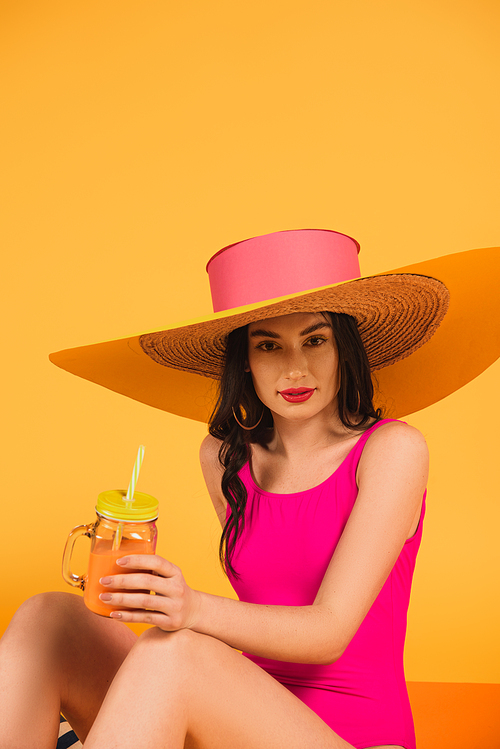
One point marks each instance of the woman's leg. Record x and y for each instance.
(56, 655)
(183, 689)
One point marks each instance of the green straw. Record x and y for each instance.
(130, 495)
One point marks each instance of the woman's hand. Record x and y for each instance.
(171, 605)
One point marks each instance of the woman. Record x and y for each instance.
(321, 503)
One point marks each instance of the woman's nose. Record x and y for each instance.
(296, 365)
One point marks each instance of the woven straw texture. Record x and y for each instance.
(396, 314)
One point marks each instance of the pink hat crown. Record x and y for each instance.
(279, 264)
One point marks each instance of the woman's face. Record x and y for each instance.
(294, 364)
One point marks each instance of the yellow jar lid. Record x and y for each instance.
(113, 505)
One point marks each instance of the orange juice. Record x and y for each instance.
(102, 562)
(122, 527)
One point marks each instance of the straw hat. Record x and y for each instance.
(428, 328)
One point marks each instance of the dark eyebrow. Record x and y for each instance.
(316, 326)
(261, 333)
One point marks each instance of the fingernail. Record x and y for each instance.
(105, 596)
(106, 580)
(116, 615)
(122, 561)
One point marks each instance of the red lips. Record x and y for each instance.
(296, 395)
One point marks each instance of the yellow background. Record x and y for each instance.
(137, 139)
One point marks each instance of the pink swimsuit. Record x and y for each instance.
(282, 556)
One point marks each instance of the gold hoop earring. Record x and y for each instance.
(247, 429)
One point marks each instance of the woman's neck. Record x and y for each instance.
(293, 438)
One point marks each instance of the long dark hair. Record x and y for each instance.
(236, 391)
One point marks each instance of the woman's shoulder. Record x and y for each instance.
(391, 431)
(212, 473)
(210, 463)
(209, 450)
(394, 442)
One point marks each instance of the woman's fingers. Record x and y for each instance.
(144, 604)
(144, 609)
(143, 617)
(162, 577)
(158, 596)
(148, 562)
(159, 573)
(138, 581)
(130, 600)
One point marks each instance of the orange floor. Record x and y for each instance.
(456, 716)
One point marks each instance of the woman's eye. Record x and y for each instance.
(316, 340)
(267, 346)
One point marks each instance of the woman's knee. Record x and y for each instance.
(45, 611)
(181, 645)
(176, 657)
(184, 645)
(179, 640)
(62, 621)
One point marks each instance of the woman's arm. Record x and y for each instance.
(212, 473)
(392, 475)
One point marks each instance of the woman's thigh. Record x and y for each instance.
(184, 686)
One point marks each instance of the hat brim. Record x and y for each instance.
(395, 314)
(465, 344)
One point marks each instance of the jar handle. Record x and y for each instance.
(77, 581)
